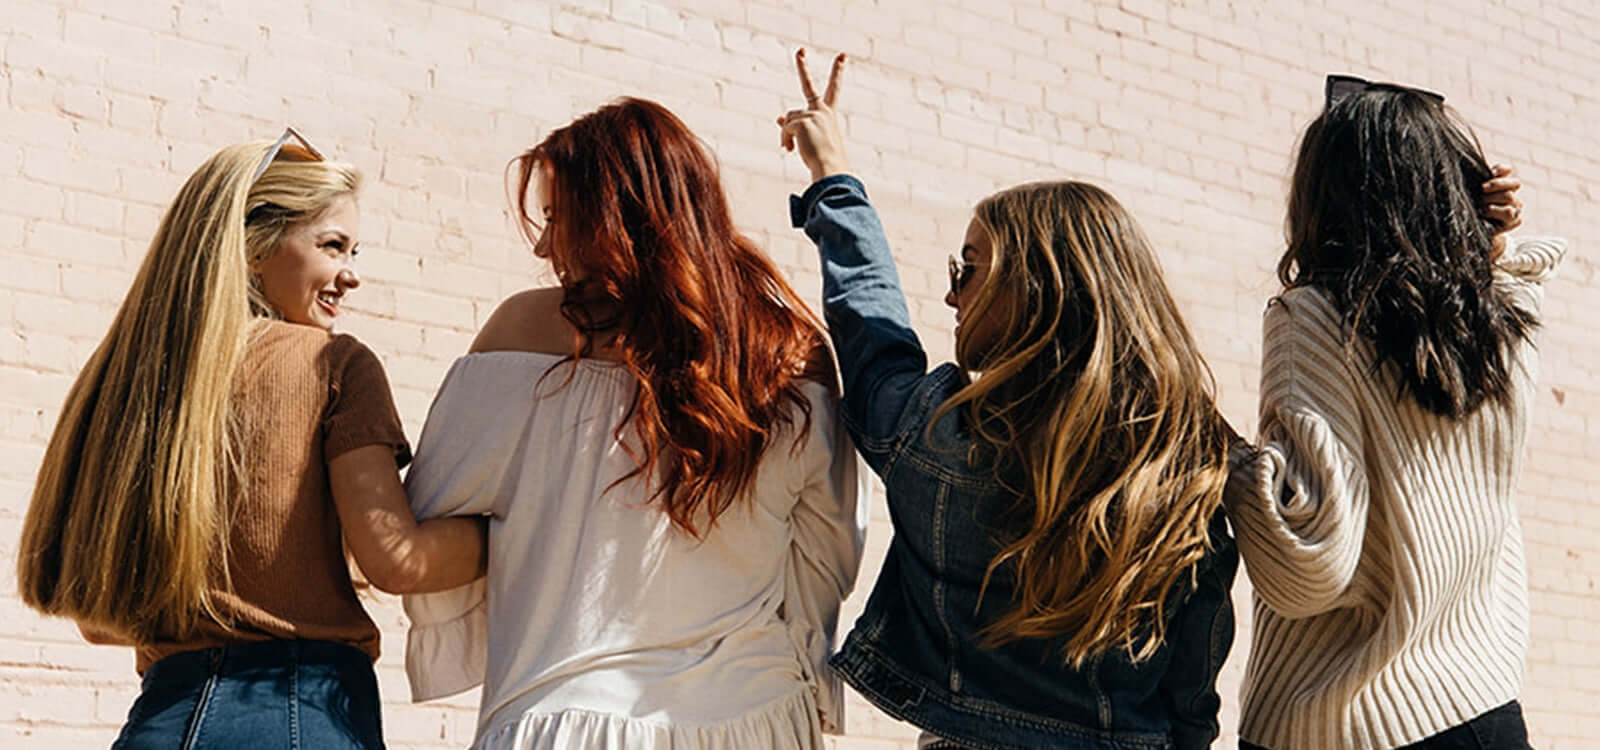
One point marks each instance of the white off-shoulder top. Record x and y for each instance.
(600, 625)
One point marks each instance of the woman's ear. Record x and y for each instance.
(254, 261)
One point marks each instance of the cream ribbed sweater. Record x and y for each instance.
(1382, 540)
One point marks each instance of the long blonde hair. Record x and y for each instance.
(1097, 394)
(129, 514)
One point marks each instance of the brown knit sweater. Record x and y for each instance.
(303, 396)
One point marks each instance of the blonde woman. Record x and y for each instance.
(1060, 569)
(213, 453)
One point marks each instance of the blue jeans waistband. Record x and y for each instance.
(281, 693)
(189, 666)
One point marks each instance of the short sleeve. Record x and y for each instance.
(360, 409)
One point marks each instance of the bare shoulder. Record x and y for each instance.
(528, 321)
(820, 367)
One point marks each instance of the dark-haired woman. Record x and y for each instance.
(1376, 516)
(673, 496)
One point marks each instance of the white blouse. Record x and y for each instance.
(600, 625)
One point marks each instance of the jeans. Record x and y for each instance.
(272, 694)
(1499, 729)
(928, 741)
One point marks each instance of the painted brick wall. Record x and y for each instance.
(1187, 110)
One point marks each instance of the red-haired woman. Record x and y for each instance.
(673, 498)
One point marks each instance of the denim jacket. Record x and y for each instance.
(915, 652)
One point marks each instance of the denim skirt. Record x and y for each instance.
(273, 694)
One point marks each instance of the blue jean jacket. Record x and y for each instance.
(915, 652)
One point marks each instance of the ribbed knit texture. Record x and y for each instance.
(1382, 540)
(302, 397)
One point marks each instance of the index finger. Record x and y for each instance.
(1501, 185)
(832, 94)
(806, 88)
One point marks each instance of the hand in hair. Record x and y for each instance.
(815, 129)
(1500, 205)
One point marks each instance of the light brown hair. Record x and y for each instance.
(1098, 395)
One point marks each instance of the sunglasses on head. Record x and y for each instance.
(1338, 86)
(960, 273)
(302, 152)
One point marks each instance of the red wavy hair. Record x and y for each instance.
(718, 342)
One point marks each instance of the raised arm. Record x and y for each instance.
(881, 360)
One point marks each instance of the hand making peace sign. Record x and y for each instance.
(815, 129)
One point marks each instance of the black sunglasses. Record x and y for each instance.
(960, 273)
(1338, 86)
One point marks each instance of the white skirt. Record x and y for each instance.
(790, 723)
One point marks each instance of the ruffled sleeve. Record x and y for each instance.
(829, 522)
(460, 470)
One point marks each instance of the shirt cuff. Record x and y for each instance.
(447, 645)
(800, 205)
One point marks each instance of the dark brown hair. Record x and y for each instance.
(1383, 218)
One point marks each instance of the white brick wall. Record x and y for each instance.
(1188, 111)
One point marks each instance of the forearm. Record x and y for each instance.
(452, 552)
(1532, 258)
(395, 551)
(862, 299)
(857, 266)
(403, 556)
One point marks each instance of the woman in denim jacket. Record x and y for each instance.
(1060, 568)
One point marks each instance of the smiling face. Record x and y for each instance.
(977, 256)
(307, 275)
